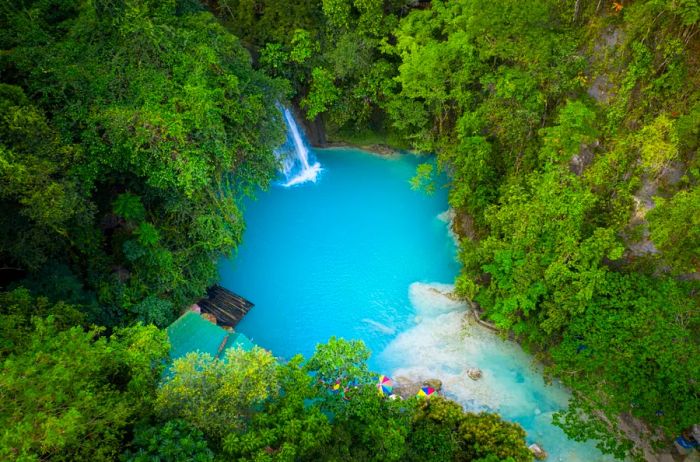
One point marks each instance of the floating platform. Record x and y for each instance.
(191, 332)
(228, 308)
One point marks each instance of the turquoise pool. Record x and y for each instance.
(358, 254)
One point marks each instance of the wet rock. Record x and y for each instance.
(464, 226)
(537, 451)
(380, 149)
(583, 159)
(474, 373)
(695, 431)
(406, 388)
(602, 89)
(433, 383)
(449, 294)
(314, 130)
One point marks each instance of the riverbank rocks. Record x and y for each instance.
(451, 295)
(433, 383)
(537, 451)
(474, 373)
(407, 388)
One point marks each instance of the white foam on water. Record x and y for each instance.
(295, 156)
(448, 217)
(309, 174)
(379, 327)
(444, 343)
(431, 300)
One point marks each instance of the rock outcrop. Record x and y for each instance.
(474, 373)
(451, 295)
(433, 383)
(537, 451)
(407, 388)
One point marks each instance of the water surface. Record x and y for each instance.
(360, 255)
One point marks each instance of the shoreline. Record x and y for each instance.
(381, 150)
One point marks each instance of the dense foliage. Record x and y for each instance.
(260, 410)
(73, 395)
(131, 129)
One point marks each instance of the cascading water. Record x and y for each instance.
(298, 163)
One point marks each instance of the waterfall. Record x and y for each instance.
(298, 163)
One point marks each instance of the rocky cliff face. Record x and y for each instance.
(314, 129)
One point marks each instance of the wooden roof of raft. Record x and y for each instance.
(227, 307)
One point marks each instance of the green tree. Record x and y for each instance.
(129, 207)
(442, 430)
(636, 339)
(174, 441)
(290, 426)
(675, 229)
(366, 426)
(71, 395)
(544, 257)
(322, 93)
(340, 359)
(218, 395)
(42, 199)
(171, 127)
(575, 127)
(423, 180)
(658, 145)
(17, 310)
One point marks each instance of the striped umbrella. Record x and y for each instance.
(426, 392)
(385, 385)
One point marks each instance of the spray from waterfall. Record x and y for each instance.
(297, 161)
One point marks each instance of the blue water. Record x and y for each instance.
(337, 257)
(360, 255)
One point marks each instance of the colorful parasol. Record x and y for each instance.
(385, 385)
(335, 388)
(426, 392)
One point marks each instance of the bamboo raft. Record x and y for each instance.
(227, 307)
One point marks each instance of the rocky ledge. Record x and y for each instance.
(407, 388)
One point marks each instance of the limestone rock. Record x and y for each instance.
(407, 388)
(474, 373)
(537, 451)
(433, 383)
(695, 431)
(449, 294)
